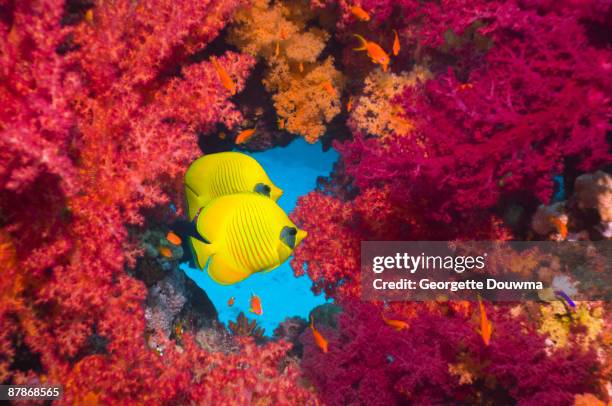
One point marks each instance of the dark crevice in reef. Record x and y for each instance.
(216, 47)
(75, 10)
(24, 360)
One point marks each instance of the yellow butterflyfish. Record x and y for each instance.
(241, 234)
(224, 173)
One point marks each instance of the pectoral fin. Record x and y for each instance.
(193, 201)
(201, 252)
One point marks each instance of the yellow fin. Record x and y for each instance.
(201, 252)
(224, 273)
(193, 202)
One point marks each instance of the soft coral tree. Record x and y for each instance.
(537, 99)
(98, 122)
(368, 361)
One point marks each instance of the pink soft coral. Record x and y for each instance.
(89, 138)
(369, 362)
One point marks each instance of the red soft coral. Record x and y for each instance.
(90, 136)
(368, 361)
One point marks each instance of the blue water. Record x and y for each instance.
(294, 169)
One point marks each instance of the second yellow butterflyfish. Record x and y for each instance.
(240, 234)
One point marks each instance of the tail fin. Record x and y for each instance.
(363, 43)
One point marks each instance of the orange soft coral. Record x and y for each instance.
(306, 103)
(306, 91)
(374, 112)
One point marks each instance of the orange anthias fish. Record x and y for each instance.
(360, 13)
(277, 49)
(225, 78)
(244, 135)
(486, 328)
(375, 52)
(318, 337)
(231, 301)
(329, 88)
(282, 34)
(173, 238)
(399, 325)
(560, 225)
(396, 44)
(301, 67)
(256, 305)
(349, 104)
(89, 16)
(165, 252)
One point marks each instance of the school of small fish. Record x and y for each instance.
(375, 52)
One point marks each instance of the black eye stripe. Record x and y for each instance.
(287, 236)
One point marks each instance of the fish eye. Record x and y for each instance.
(287, 236)
(262, 189)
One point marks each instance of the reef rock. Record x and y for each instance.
(594, 191)
(176, 299)
(290, 330)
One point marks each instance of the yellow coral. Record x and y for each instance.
(307, 92)
(556, 322)
(587, 399)
(306, 103)
(375, 113)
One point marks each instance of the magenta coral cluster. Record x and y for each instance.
(99, 121)
(440, 359)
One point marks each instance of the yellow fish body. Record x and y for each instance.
(242, 234)
(224, 173)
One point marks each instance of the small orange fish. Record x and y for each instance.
(465, 86)
(486, 328)
(256, 305)
(282, 34)
(165, 252)
(281, 123)
(178, 330)
(349, 104)
(375, 52)
(399, 325)
(560, 225)
(318, 337)
(173, 238)
(224, 77)
(231, 301)
(396, 44)
(329, 88)
(89, 16)
(277, 50)
(301, 67)
(360, 13)
(244, 135)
